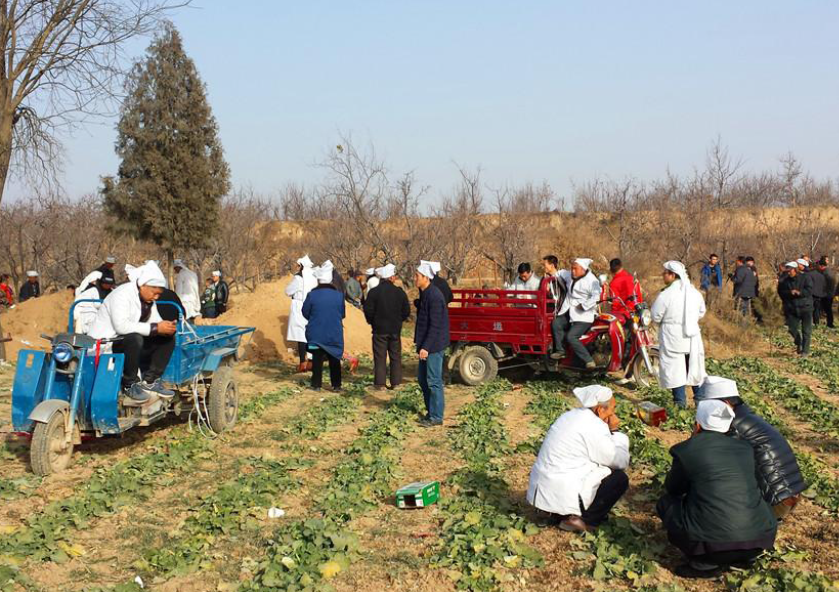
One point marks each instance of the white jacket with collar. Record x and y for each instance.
(120, 314)
(577, 454)
(582, 299)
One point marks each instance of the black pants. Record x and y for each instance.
(384, 347)
(149, 354)
(318, 357)
(827, 309)
(610, 491)
(800, 326)
(563, 329)
(817, 310)
(301, 351)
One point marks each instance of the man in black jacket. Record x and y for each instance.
(31, 288)
(796, 292)
(713, 510)
(431, 337)
(386, 308)
(819, 291)
(829, 290)
(745, 286)
(222, 293)
(778, 474)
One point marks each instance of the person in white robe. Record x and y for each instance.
(301, 284)
(582, 297)
(677, 310)
(186, 287)
(579, 474)
(372, 281)
(94, 287)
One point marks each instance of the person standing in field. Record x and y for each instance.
(710, 279)
(745, 286)
(677, 310)
(298, 288)
(431, 337)
(796, 293)
(107, 269)
(440, 282)
(324, 309)
(354, 293)
(222, 293)
(830, 290)
(31, 288)
(7, 293)
(385, 309)
(819, 291)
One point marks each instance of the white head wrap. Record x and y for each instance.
(593, 395)
(717, 387)
(714, 416)
(148, 274)
(110, 259)
(89, 279)
(583, 262)
(435, 265)
(178, 263)
(792, 265)
(690, 320)
(323, 274)
(31, 273)
(305, 261)
(803, 262)
(216, 273)
(370, 271)
(426, 270)
(388, 271)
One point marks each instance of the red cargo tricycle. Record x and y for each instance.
(510, 330)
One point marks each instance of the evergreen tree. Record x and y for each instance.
(173, 173)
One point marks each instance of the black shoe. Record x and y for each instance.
(687, 570)
(429, 423)
(337, 389)
(379, 387)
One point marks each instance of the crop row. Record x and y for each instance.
(306, 554)
(482, 537)
(318, 419)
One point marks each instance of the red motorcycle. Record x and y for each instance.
(510, 330)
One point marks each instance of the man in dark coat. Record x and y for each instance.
(107, 268)
(796, 292)
(439, 282)
(829, 290)
(819, 291)
(778, 474)
(324, 310)
(713, 509)
(431, 337)
(386, 308)
(222, 293)
(31, 288)
(745, 286)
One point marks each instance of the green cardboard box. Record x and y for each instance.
(418, 495)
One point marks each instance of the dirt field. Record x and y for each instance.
(191, 515)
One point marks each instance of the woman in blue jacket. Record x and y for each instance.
(324, 310)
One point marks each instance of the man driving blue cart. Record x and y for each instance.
(145, 339)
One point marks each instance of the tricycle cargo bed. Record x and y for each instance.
(202, 351)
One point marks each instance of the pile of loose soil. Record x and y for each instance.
(267, 309)
(28, 320)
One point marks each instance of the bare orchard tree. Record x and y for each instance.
(617, 202)
(62, 62)
(410, 235)
(723, 172)
(511, 238)
(457, 228)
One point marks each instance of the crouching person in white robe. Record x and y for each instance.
(579, 473)
(677, 310)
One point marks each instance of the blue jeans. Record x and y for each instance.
(430, 377)
(680, 395)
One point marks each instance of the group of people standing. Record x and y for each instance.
(728, 486)
(31, 288)
(318, 307)
(806, 293)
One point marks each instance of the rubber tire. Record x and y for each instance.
(476, 366)
(639, 369)
(43, 459)
(223, 400)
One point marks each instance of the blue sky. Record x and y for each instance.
(531, 90)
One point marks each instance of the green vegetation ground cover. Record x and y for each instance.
(482, 537)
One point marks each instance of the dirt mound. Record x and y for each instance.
(26, 321)
(267, 309)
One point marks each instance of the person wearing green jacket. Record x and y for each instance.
(713, 509)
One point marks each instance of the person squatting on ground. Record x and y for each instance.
(579, 474)
(431, 337)
(578, 311)
(778, 474)
(385, 309)
(324, 309)
(677, 310)
(146, 340)
(713, 509)
(796, 292)
(298, 288)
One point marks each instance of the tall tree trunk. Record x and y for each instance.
(2, 343)
(5, 158)
(170, 259)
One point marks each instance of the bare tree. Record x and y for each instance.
(457, 226)
(62, 62)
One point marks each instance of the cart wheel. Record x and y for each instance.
(641, 374)
(223, 400)
(477, 365)
(48, 452)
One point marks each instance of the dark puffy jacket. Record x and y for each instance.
(745, 282)
(803, 302)
(819, 283)
(778, 474)
(444, 288)
(432, 328)
(386, 308)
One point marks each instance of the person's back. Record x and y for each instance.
(623, 287)
(442, 285)
(324, 309)
(745, 282)
(819, 283)
(386, 308)
(778, 473)
(722, 502)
